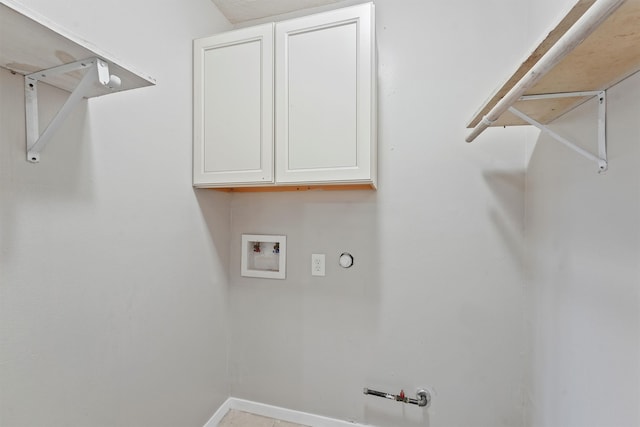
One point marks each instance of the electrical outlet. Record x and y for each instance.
(317, 264)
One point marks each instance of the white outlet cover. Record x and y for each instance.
(317, 264)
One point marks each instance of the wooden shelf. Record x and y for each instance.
(609, 55)
(30, 43)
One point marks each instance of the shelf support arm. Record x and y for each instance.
(601, 158)
(97, 70)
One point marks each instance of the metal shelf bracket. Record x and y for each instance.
(601, 158)
(97, 70)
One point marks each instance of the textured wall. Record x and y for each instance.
(112, 282)
(583, 235)
(436, 293)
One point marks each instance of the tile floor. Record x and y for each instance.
(236, 418)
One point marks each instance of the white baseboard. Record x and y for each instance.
(276, 412)
(220, 413)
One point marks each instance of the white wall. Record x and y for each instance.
(583, 233)
(113, 274)
(436, 294)
(583, 244)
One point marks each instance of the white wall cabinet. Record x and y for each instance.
(288, 104)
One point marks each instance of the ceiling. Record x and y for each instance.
(237, 11)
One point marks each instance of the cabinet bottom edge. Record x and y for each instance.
(276, 188)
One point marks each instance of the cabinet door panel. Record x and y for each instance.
(233, 107)
(325, 97)
(322, 88)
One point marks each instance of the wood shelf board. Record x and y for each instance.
(30, 43)
(609, 55)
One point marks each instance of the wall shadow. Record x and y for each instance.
(508, 216)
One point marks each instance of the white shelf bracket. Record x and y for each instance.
(601, 158)
(97, 70)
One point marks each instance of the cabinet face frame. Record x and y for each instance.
(364, 169)
(263, 174)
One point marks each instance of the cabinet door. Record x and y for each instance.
(233, 108)
(325, 97)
